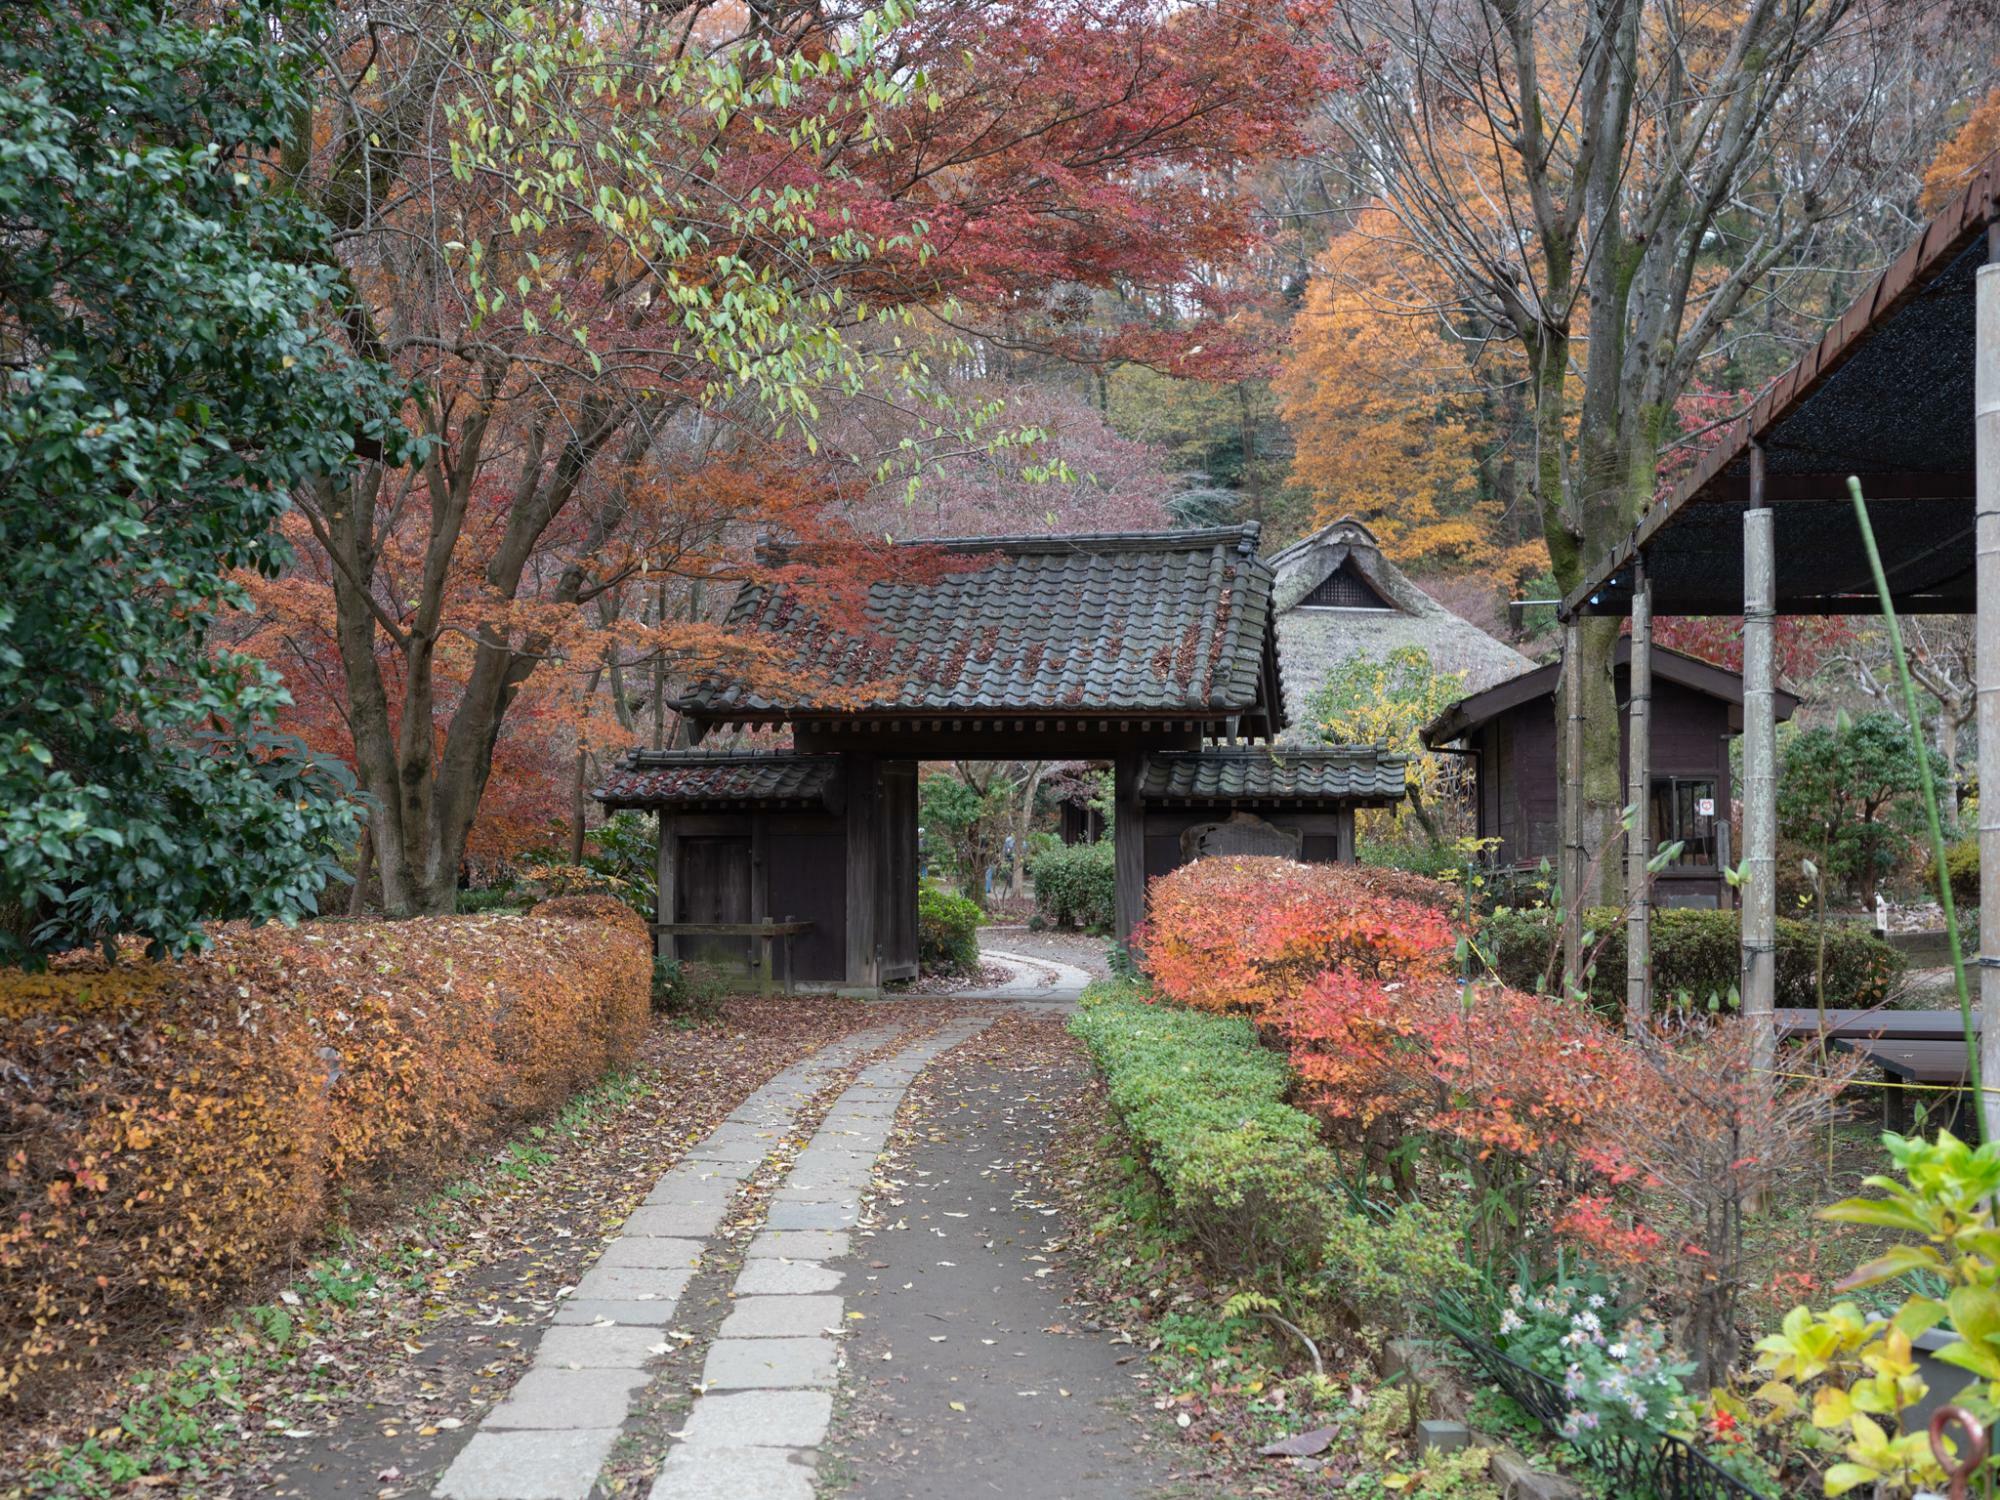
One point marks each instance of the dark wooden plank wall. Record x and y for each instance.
(897, 860)
(807, 875)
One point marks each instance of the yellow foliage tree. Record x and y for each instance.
(1385, 412)
(1964, 154)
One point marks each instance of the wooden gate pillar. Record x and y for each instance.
(864, 832)
(1639, 797)
(1128, 834)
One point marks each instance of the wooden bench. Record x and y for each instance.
(767, 935)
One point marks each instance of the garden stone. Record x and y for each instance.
(641, 1252)
(733, 1474)
(1435, 1435)
(802, 1244)
(1519, 1480)
(585, 1311)
(598, 1346)
(785, 1278)
(768, 1364)
(673, 1220)
(545, 1398)
(528, 1465)
(634, 1283)
(780, 1317)
(760, 1419)
(811, 1216)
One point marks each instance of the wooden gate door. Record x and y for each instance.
(714, 886)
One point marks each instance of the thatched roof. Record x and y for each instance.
(1337, 597)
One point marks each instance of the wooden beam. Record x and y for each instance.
(864, 969)
(1128, 835)
(667, 875)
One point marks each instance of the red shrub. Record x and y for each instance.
(1250, 934)
(173, 1130)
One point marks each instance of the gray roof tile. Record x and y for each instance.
(705, 778)
(1346, 774)
(1173, 623)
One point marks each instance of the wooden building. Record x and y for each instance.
(1298, 804)
(1120, 647)
(1509, 731)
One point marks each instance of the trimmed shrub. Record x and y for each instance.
(1247, 933)
(1696, 957)
(1076, 885)
(1961, 867)
(1205, 1104)
(174, 1129)
(947, 931)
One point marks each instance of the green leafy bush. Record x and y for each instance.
(1961, 867)
(1377, 1255)
(947, 931)
(1696, 957)
(1205, 1103)
(1075, 885)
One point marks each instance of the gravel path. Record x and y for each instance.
(1090, 954)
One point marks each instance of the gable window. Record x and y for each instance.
(1345, 588)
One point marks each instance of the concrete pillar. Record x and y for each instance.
(1128, 834)
(1639, 797)
(1760, 771)
(1986, 438)
(1574, 860)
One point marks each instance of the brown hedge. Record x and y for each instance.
(173, 1130)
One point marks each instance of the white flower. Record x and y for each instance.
(1617, 1351)
(1596, 1300)
(1511, 1322)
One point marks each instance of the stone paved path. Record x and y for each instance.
(1032, 980)
(768, 1377)
(967, 1376)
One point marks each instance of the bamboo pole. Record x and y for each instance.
(1986, 461)
(1572, 866)
(1639, 797)
(1760, 778)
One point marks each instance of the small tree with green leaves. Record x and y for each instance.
(1849, 792)
(168, 380)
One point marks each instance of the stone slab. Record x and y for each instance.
(790, 1215)
(781, 1317)
(528, 1465)
(598, 1346)
(544, 1399)
(767, 1364)
(646, 1253)
(584, 1311)
(760, 1419)
(785, 1278)
(801, 1244)
(683, 1185)
(733, 1474)
(634, 1283)
(809, 1193)
(689, 1221)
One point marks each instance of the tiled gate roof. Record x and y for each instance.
(686, 779)
(1176, 624)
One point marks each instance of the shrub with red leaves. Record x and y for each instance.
(175, 1129)
(1250, 934)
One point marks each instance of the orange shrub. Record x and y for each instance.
(173, 1130)
(1250, 933)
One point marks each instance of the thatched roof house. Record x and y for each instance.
(1337, 597)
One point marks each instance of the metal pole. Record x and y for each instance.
(1570, 867)
(1760, 772)
(1986, 449)
(1639, 797)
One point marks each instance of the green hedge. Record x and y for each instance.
(947, 930)
(1696, 956)
(1075, 885)
(1205, 1104)
(1961, 865)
